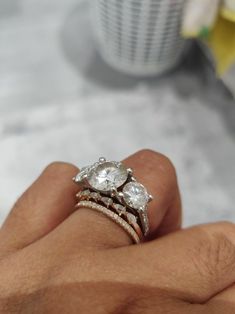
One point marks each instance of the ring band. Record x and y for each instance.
(111, 215)
(87, 195)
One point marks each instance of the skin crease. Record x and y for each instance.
(54, 259)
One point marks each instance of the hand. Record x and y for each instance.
(57, 260)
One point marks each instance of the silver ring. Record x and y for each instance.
(113, 179)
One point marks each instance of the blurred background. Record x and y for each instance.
(60, 101)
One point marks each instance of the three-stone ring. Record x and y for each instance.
(112, 183)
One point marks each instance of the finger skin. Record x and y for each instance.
(86, 228)
(193, 268)
(223, 302)
(193, 264)
(46, 290)
(49, 200)
(185, 271)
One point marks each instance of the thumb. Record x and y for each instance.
(193, 264)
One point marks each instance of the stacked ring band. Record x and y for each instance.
(112, 206)
(111, 185)
(111, 215)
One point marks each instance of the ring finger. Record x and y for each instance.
(86, 227)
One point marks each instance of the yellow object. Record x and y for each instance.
(228, 14)
(199, 17)
(221, 41)
(228, 10)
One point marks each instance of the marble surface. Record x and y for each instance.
(59, 101)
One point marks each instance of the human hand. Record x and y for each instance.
(54, 259)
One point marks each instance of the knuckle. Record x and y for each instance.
(165, 164)
(225, 226)
(221, 255)
(147, 153)
(59, 167)
(214, 256)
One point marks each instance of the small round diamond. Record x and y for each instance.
(121, 210)
(132, 219)
(135, 195)
(106, 176)
(107, 201)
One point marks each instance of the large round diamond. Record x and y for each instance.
(135, 195)
(107, 175)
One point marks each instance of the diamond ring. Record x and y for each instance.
(113, 179)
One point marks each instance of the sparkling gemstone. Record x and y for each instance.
(119, 209)
(80, 176)
(106, 176)
(79, 194)
(107, 201)
(83, 194)
(132, 219)
(95, 196)
(135, 195)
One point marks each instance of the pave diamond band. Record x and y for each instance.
(108, 202)
(111, 215)
(117, 185)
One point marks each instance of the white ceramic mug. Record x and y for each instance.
(139, 37)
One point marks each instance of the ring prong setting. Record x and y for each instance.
(120, 194)
(102, 159)
(113, 192)
(130, 171)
